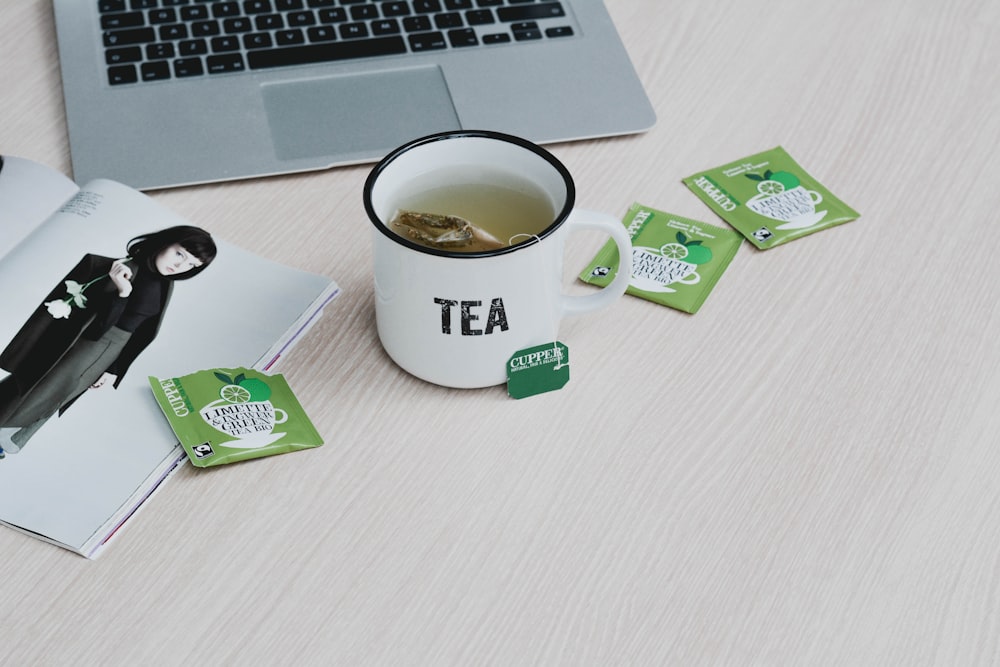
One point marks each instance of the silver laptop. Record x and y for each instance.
(163, 93)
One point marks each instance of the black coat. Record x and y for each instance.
(44, 339)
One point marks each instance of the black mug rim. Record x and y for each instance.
(382, 226)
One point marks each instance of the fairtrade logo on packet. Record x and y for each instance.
(769, 198)
(228, 415)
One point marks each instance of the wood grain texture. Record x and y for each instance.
(805, 472)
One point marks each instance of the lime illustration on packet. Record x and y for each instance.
(228, 415)
(769, 198)
(675, 261)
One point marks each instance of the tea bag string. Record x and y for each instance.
(555, 327)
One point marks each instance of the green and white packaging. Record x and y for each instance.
(769, 198)
(675, 261)
(228, 415)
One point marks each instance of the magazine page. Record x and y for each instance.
(29, 193)
(77, 464)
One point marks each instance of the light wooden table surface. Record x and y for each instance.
(806, 472)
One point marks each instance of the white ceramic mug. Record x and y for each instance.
(455, 318)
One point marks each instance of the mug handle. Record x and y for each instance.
(602, 222)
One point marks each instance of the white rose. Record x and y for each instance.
(59, 309)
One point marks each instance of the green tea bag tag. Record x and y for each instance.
(538, 369)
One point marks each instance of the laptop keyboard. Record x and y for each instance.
(153, 40)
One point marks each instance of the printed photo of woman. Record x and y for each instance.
(90, 328)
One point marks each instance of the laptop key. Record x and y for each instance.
(238, 24)
(188, 67)
(128, 54)
(385, 27)
(462, 37)
(479, 17)
(426, 6)
(257, 40)
(427, 41)
(335, 15)
(353, 30)
(257, 6)
(129, 37)
(194, 13)
(155, 71)
(269, 22)
(546, 10)
(225, 9)
(526, 31)
(159, 51)
(449, 20)
(416, 24)
(364, 12)
(159, 16)
(225, 62)
(206, 29)
(173, 32)
(395, 9)
(322, 33)
(122, 20)
(193, 47)
(122, 74)
(104, 6)
(317, 53)
(226, 43)
(301, 19)
(289, 37)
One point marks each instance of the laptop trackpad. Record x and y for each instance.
(357, 116)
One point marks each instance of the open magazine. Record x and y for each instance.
(78, 463)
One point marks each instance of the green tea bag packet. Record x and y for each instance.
(675, 261)
(769, 198)
(228, 415)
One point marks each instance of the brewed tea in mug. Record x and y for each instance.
(503, 206)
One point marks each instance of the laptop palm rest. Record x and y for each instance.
(364, 114)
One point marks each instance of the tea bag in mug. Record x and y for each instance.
(227, 415)
(448, 232)
(769, 198)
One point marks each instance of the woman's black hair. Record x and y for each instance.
(195, 240)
